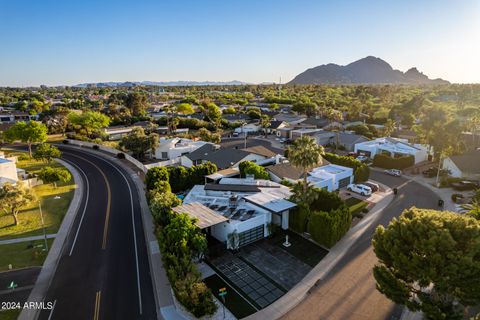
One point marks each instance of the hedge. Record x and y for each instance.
(387, 162)
(361, 171)
(297, 217)
(180, 178)
(327, 228)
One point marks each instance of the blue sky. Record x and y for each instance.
(69, 42)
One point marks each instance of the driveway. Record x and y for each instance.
(348, 291)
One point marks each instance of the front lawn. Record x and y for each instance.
(233, 301)
(55, 203)
(23, 254)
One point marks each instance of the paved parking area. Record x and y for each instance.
(257, 287)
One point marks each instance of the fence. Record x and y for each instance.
(112, 151)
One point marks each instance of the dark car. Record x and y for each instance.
(464, 185)
(433, 171)
(375, 187)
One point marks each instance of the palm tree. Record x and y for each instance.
(306, 154)
(472, 209)
(334, 116)
(265, 123)
(389, 128)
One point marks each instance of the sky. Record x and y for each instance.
(78, 41)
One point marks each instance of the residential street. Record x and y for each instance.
(348, 291)
(103, 272)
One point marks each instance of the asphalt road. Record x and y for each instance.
(103, 272)
(348, 291)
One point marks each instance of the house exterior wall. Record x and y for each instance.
(450, 165)
(8, 170)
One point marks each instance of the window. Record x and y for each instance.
(164, 155)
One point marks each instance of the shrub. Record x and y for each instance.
(361, 173)
(121, 155)
(23, 157)
(249, 167)
(155, 174)
(387, 162)
(297, 218)
(325, 200)
(328, 227)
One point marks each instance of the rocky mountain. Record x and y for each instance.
(161, 83)
(369, 70)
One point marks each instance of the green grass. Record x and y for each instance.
(302, 249)
(233, 301)
(10, 314)
(53, 209)
(356, 206)
(352, 201)
(23, 254)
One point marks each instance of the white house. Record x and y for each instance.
(8, 170)
(171, 148)
(248, 128)
(394, 147)
(329, 176)
(465, 166)
(238, 211)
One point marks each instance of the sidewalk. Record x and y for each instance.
(26, 239)
(293, 297)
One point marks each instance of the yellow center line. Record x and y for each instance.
(96, 311)
(109, 201)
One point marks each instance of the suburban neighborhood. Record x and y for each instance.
(344, 191)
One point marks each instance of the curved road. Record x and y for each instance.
(103, 272)
(348, 291)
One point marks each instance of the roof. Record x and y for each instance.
(286, 170)
(319, 122)
(223, 158)
(469, 162)
(270, 202)
(261, 150)
(288, 117)
(349, 138)
(232, 187)
(224, 173)
(205, 216)
(274, 124)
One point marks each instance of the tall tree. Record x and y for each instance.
(46, 152)
(29, 133)
(137, 103)
(334, 116)
(13, 198)
(54, 175)
(265, 123)
(389, 128)
(306, 154)
(430, 262)
(138, 142)
(89, 121)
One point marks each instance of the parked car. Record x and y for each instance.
(375, 187)
(433, 171)
(393, 172)
(235, 134)
(464, 185)
(360, 189)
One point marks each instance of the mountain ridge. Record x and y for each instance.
(160, 83)
(368, 70)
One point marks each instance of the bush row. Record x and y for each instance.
(387, 162)
(361, 171)
(179, 178)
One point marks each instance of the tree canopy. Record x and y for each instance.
(13, 198)
(27, 132)
(46, 152)
(429, 261)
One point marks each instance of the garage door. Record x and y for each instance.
(343, 182)
(250, 236)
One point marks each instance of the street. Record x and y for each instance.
(103, 271)
(348, 291)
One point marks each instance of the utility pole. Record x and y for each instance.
(43, 225)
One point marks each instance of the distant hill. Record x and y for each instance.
(161, 84)
(369, 70)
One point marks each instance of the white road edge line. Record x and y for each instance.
(84, 208)
(133, 225)
(53, 308)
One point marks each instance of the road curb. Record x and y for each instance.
(51, 262)
(298, 293)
